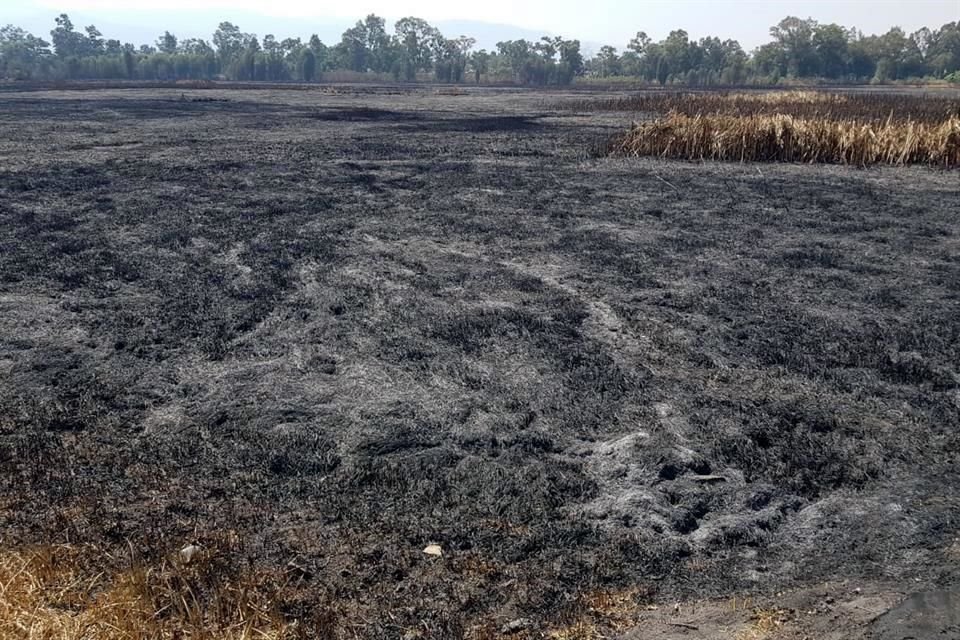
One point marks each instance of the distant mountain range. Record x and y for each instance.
(144, 27)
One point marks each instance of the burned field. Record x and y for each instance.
(311, 334)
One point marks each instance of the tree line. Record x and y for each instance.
(416, 51)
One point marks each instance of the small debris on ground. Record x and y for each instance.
(189, 552)
(708, 479)
(515, 626)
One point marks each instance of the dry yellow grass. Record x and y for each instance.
(53, 593)
(602, 612)
(864, 107)
(783, 138)
(451, 91)
(764, 624)
(779, 97)
(953, 551)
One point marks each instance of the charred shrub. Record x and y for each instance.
(605, 250)
(813, 256)
(472, 331)
(299, 452)
(800, 449)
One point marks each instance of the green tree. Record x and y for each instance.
(547, 48)
(66, 41)
(943, 51)
(893, 51)
(94, 44)
(830, 44)
(735, 64)
(479, 64)
(167, 43)
(462, 47)
(292, 49)
(571, 61)
(353, 50)
(129, 64)
(639, 43)
(607, 63)
(321, 52)
(380, 52)
(230, 42)
(677, 53)
(308, 66)
(770, 62)
(516, 54)
(22, 55)
(196, 46)
(415, 36)
(795, 38)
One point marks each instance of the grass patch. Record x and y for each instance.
(63, 592)
(864, 107)
(786, 138)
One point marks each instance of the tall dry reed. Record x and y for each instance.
(785, 138)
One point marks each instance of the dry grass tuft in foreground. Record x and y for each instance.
(602, 613)
(764, 623)
(55, 592)
(784, 138)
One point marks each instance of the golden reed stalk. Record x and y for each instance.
(785, 138)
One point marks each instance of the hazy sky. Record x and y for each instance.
(612, 21)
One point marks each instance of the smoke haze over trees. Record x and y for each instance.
(413, 50)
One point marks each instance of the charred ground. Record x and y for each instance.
(340, 328)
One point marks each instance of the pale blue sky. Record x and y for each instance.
(606, 21)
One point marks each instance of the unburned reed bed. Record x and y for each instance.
(784, 138)
(861, 106)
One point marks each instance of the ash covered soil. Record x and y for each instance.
(342, 326)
